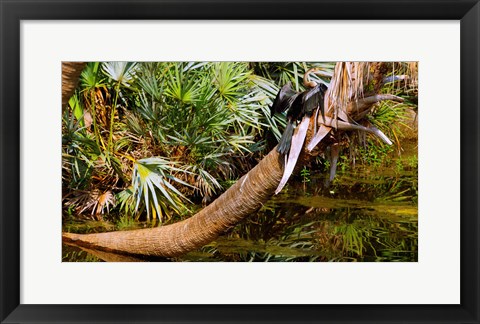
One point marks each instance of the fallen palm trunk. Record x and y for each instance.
(245, 197)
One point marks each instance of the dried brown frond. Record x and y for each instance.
(413, 73)
(347, 85)
(105, 200)
(93, 201)
(101, 103)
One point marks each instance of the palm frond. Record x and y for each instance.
(180, 87)
(346, 85)
(121, 72)
(152, 188)
(91, 77)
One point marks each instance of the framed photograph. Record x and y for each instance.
(294, 162)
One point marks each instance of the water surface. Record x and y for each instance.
(366, 214)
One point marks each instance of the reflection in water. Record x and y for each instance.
(362, 216)
(354, 220)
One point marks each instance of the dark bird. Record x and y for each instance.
(297, 105)
(300, 107)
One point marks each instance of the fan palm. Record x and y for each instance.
(152, 188)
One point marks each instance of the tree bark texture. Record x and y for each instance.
(70, 75)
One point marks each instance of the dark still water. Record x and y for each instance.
(364, 215)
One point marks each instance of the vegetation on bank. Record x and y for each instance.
(154, 141)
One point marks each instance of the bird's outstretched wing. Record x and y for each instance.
(314, 98)
(283, 100)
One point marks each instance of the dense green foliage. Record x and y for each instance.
(153, 140)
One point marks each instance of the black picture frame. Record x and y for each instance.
(13, 12)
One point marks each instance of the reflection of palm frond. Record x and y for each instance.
(352, 238)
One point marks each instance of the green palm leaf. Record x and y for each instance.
(151, 187)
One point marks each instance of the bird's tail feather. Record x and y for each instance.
(297, 144)
(286, 140)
